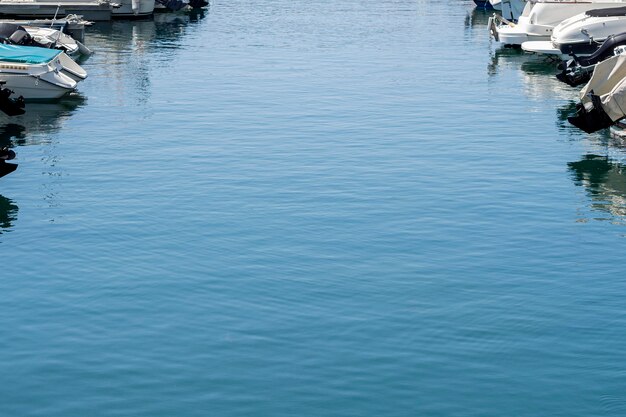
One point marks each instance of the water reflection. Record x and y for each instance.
(537, 73)
(122, 35)
(478, 18)
(126, 51)
(605, 183)
(40, 120)
(8, 214)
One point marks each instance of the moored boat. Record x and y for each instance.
(38, 73)
(540, 17)
(45, 37)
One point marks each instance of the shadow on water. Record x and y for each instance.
(8, 214)
(40, 119)
(605, 183)
(163, 29)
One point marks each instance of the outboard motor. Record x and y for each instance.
(15, 34)
(577, 70)
(10, 106)
(591, 120)
(6, 154)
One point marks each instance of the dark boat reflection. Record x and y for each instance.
(40, 119)
(478, 18)
(605, 183)
(8, 214)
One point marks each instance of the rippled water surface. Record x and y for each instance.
(312, 208)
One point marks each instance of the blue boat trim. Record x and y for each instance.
(27, 54)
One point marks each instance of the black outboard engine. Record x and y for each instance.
(591, 120)
(6, 154)
(10, 106)
(13, 34)
(577, 70)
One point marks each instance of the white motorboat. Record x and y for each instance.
(38, 73)
(582, 34)
(45, 37)
(540, 17)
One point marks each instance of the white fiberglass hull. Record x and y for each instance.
(583, 34)
(543, 48)
(45, 81)
(48, 86)
(539, 19)
(70, 68)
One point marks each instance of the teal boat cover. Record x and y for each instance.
(26, 54)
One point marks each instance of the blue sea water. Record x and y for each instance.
(312, 208)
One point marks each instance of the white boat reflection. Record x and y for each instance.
(537, 74)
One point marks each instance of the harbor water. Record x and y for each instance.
(311, 208)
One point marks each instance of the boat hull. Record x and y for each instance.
(46, 9)
(539, 20)
(49, 86)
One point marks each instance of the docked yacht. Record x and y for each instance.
(582, 35)
(540, 17)
(38, 73)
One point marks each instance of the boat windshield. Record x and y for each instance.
(26, 54)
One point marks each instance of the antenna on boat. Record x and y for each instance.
(55, 14)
